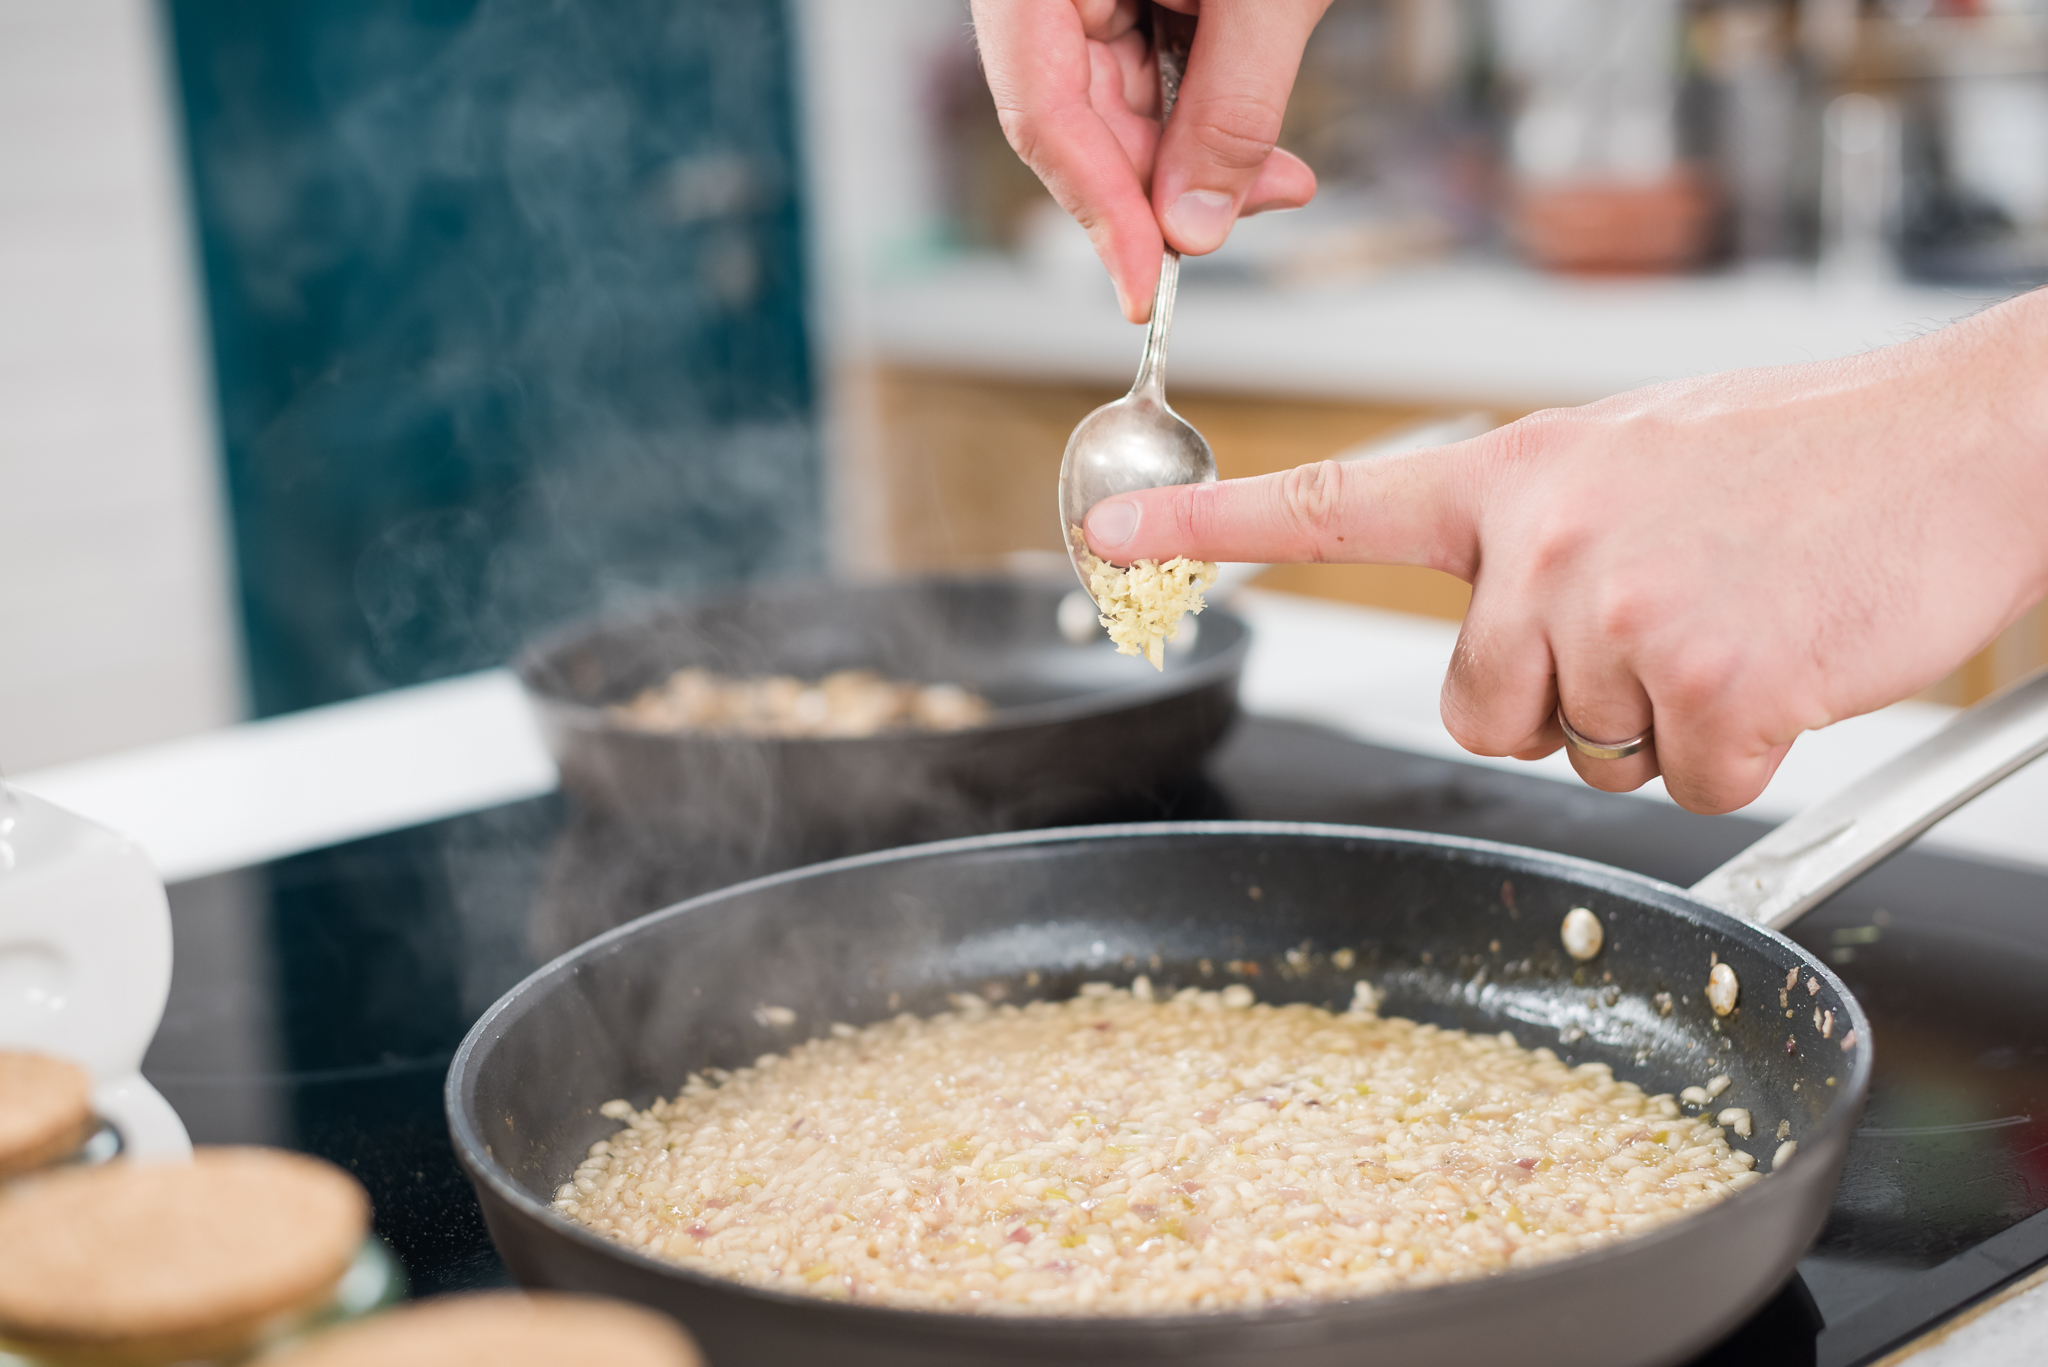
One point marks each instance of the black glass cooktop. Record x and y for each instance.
(316, 1002)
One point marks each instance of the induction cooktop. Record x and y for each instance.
(316, 1001)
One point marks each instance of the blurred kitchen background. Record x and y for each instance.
(345, 346)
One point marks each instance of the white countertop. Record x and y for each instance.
(1457, 332)
(266, 789)
(248, 794)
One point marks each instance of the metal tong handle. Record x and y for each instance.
(1812, 856)
(1173, 35)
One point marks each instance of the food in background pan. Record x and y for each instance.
(1142, 607)
(851, 702)
(1117, 1153)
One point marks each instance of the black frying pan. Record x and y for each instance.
(1078, 731)
(1459, 932)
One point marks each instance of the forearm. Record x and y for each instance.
(2005, 349)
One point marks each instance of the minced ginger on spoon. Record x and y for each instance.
(1142, 606)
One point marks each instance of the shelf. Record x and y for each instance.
(1459, 332)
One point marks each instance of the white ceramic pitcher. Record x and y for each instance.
(85, 962)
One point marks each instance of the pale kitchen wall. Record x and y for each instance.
(116, 626)
(875, 208)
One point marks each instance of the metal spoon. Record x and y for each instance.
(1138, 442)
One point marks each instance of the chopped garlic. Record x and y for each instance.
(1142, 606)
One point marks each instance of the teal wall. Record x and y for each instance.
(507, 317)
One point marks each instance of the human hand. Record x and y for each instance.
(1733, 559)
(1078, 92)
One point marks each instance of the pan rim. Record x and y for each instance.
(1225, 664)
(1836, 1126)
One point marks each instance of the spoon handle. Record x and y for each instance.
(1173, 34)
(1152, 369)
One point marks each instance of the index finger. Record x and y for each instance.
(1412, 509)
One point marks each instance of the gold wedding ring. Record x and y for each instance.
(1596, 749)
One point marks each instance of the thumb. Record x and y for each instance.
(1409, 509)
(1216, 155)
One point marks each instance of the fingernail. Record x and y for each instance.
(1201, 219)
(1112, 524)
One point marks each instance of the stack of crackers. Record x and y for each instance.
(236, 1257)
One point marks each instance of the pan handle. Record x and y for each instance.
(1806, 860)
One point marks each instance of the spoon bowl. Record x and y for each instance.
(1137, 442)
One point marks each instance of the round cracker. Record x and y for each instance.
(126, 1261)
(45, 1111)
(500, 1329)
